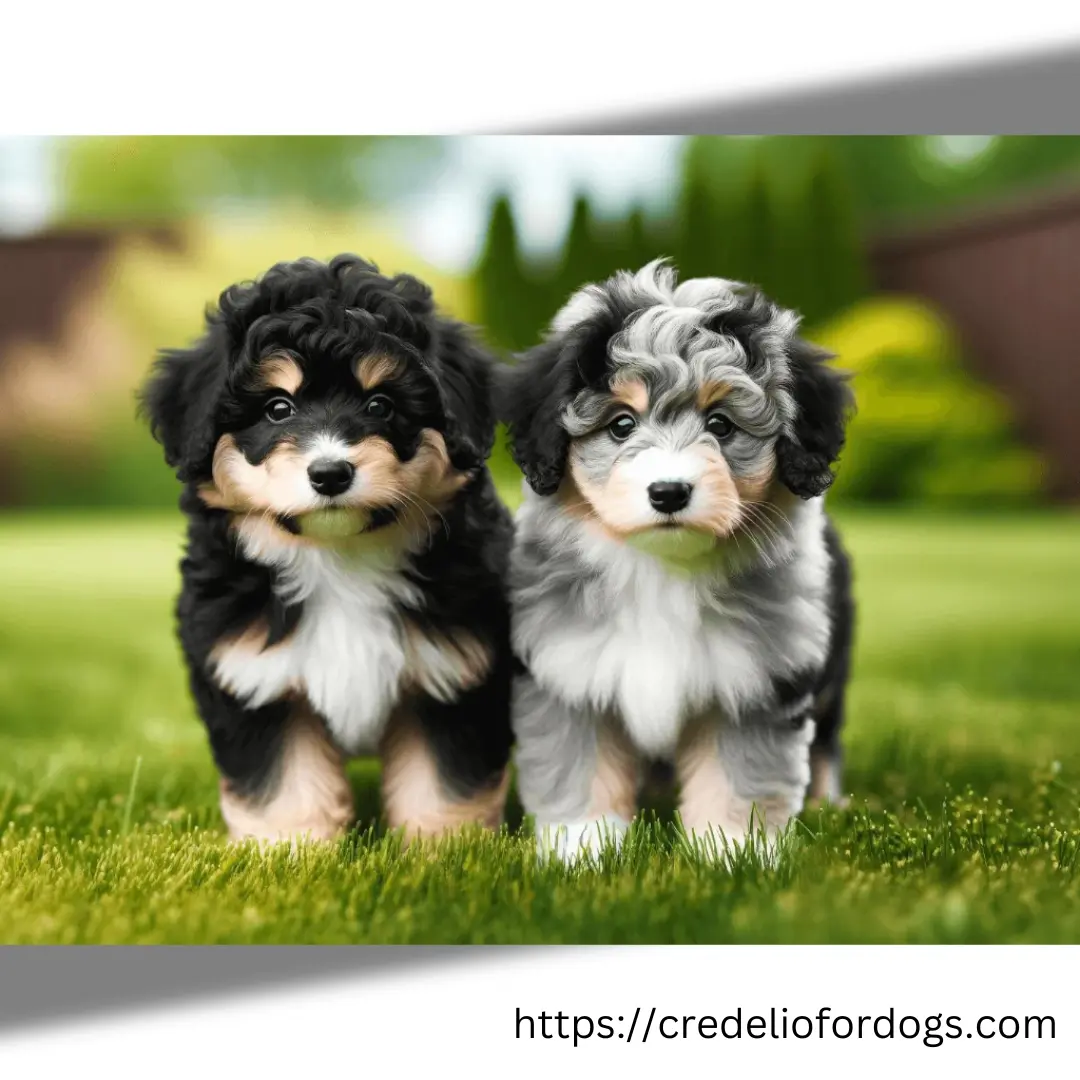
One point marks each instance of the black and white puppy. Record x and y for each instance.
(678, 594)
(343, 588)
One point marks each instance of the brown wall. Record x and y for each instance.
(1009, 280)
(40, 276)
(55, 342)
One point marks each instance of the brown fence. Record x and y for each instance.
(1009, 280)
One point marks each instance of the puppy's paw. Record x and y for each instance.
(568, 841)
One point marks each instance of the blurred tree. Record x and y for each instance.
(589, 252)
(513, 304)
(755, 258)
(696, 251)
(828, 273)
(640, 245)
(154, 178)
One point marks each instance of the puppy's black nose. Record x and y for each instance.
(330, 477)
(669, 496)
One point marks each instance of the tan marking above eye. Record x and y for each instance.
(373, 370)
(709, 393)
(280, 372)
(631, 392)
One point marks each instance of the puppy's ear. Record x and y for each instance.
(179, 400)
(823, 403)
(531, 397)
(465, 386)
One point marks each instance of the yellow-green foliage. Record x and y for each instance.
(926, 429)
(163, 296)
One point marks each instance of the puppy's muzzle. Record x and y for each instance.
(329, 477)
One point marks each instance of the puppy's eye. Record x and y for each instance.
(720, 426)
(380, 407)
(622, 427)
(279, 409)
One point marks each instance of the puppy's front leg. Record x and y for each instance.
(446, 762)
(577, 773)
(300, 791)
(739, 780)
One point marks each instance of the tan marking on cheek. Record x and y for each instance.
(378, 467)
(419, 487)
(710, 392)
(615, 783)
(631, 392)
(716, 495)
(442, 665)
(279, 372)
(430, 473)
(413, 794)
(238, 485)
(614, 506)
(373, 370)
(571, 498)
(756, 487)
(309, 794)
(220, 492)
(575, 504)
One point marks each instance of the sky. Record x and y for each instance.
(26, 184)
(445, 223)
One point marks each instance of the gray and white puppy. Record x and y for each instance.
(678, 593)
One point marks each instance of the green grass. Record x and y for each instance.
(963, 751)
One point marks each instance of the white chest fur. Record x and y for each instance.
(657, 648)
(347, 653)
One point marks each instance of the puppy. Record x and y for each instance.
(678, 594)
(343, 587)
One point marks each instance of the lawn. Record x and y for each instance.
(963, 752)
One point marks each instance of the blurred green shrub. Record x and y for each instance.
(926, 430)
